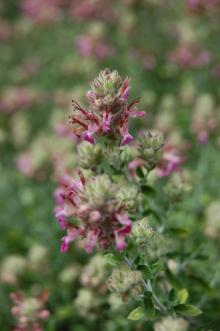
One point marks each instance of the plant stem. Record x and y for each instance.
(148, 287)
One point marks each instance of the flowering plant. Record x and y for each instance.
(112, 202)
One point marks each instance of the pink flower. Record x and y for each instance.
(100, 223)
(171, 161)
(108, 112)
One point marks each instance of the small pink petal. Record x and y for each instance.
(126, 139)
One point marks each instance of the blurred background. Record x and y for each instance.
(49, 52)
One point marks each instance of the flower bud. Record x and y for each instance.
(150, 148)
(98, 190)
(152, 245)
(90, 156)
(142, 232)
(126, 283)
(127, 196)
(106, 88)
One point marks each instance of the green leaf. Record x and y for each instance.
(112, 259)
(172, 296)
(188, 310)
(182, 296)
(155, 267)
(148, 190)
(136, 314)
(148, 305)
(146, 272)
(140, 173)
(174, 281)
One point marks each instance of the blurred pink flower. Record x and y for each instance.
(171, 161)
(24, 164)
(187, 56)
(89, 46)
(17, 98)
(92, 9)
(29, 311)
(41, 11)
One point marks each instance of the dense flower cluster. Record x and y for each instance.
(108, 111)
(95, 203)
(126, 283)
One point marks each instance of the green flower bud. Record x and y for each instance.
(90, 156)
(150, 148)
(127, 196)
(151, 243)
(142, 232)
(98, 191)
(107, 88)
(126, 283)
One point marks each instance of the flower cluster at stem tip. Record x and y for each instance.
(108, 110)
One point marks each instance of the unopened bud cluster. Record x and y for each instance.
(142, 232)
(126, 283)
(150, 148)
(90, 156)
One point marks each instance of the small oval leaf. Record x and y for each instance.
(136, 314)
(182, 296)
(188, 310)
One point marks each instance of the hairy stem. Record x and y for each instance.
(148, 287)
